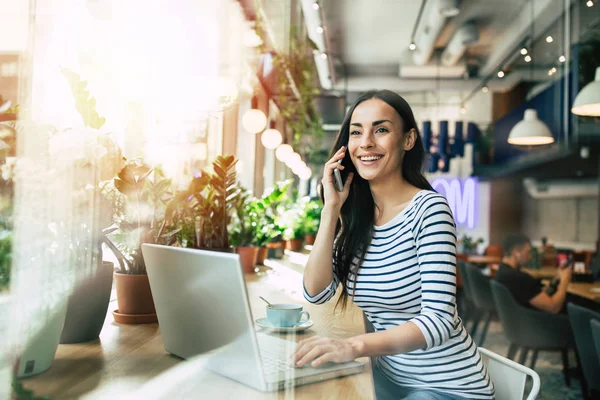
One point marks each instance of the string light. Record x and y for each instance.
(316, 6)
(319, 29)
(524, 51)
(562, 59)
(484, 89)
(500, 74)
(527, 58)
(412, 46)
(549, 39)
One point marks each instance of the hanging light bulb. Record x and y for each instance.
(530, 131)
(293, 159)
(305, 174)
(587, 102)
(283, 152)
(254, 120)
(271, 138)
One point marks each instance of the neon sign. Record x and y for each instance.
(461, 198)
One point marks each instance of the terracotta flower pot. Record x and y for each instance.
(262, 255)
(294, 244)
(275, 249)
(133, 294)
(310, 239)
(247, 257)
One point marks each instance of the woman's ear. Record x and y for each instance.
(410, 139)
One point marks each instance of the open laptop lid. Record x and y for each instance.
(202, 305)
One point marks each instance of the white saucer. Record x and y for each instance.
(264, 323)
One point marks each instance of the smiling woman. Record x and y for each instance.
(390, 240)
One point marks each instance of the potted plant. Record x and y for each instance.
(198, 217)
(468, 245)
(312, 218)
(269, 235)
(243, 229)
(94, 157)
(139, 195)
(295, 230)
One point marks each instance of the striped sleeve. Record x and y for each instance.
(435, 238)
(325, 295)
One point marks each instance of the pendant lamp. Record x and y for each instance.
(530, 131)
(587, 102)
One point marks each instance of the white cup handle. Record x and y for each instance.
(304, 314)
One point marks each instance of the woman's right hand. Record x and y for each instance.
(332, 198)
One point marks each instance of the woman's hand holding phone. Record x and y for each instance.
(332, 197)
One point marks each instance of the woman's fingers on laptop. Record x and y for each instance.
(324, 350)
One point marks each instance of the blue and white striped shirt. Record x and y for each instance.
(409, 274)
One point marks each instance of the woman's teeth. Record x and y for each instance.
(371, 158)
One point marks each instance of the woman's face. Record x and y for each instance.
(377, 143)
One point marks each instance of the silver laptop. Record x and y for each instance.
(202, 307)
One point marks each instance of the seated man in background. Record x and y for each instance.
(525, 289)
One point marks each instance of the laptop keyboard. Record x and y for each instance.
(276, 354)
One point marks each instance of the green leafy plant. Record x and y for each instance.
(271, 206)
(139, 195)
(470, 244)
(199, 216)
(5, 260)
(295, 88)
(312, 215)
(84, 102)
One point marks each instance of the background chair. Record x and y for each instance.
(509, 377)
(482, 296)
(581, 318)
(595, 325)
(471, 311)
(529, 329)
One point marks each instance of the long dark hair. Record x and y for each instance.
(353, 234)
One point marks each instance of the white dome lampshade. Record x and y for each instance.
(283, 152)
(254, 120)
(271, 138)
(530, 131)
(587, 102)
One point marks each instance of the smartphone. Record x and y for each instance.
(338, 183)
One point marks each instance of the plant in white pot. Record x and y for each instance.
(93, 157)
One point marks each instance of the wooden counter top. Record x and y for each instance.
(129, 361)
